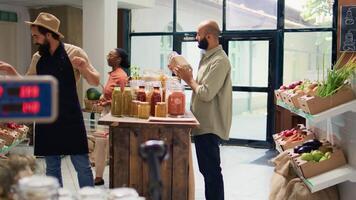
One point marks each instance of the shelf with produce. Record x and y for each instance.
(330, 178)
(6, 149)
(349, 106)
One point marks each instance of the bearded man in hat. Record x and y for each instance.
(67, 135)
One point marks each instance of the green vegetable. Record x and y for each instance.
(93, 94)
(317, 155)
(307, 157)
(337, 77)
(328, 155)
(323, 158)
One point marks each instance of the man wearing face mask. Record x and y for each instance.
(67, 135)
(211, 104)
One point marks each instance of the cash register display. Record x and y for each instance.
(28, 99)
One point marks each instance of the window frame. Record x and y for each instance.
(277, 33)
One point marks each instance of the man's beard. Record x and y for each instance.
(43, 49)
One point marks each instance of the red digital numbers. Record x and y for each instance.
(31, 107)
(29, 91)
(1, 90)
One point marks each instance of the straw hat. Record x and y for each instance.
(47, 21)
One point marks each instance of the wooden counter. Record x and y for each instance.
(127, 169)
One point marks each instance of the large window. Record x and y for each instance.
(154, 19)
(254, 34)
(249, 61)
(191, 12)
(251, 14)
(306, 55)
(150, 52)
(308, 13)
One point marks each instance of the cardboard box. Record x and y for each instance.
(315, 104)
(290, 145)
(277, 93)
(284, 95)
(310, 169)
(2, 143)
(292, 99)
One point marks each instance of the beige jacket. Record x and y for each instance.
(212, 99)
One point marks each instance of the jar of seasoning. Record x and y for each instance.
(126, 102)
(176, 100)
(134, 108)
(116, 102)
(141, 93)
(144, 110)
(155, 98)
(134, 84)
(161, 109)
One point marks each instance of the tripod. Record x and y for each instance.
(154, 151)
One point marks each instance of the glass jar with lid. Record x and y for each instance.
(144, 110)
(91, 193)
(65, 194)
(126, 102)
(155, 98)
(38, 188)
(134, 108)
(141, 94)
(122, 194)
(176, 100)
(134, 85)
(161, 109)
(116, 102)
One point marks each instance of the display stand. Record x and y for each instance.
(335, 176)
(127, 169)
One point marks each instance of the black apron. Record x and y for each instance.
(67, 135)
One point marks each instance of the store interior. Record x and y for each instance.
(283, 53)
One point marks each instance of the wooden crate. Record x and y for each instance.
(128, 169)
(314, 104)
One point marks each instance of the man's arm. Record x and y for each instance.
(211, 83)
(8, 69)
(81, 62)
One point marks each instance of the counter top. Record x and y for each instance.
(188, 120)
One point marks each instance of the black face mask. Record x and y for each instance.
(43, 49)
(203, 44)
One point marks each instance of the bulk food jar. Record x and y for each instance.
(176, 99)
(134, 84)
(38, 188)
(123, 194)
(155, 98)
(90, 193)
(116, 102)
(126, 102)
(141, 94)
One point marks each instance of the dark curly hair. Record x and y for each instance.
(124, 57)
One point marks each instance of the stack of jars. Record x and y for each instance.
(145, 99)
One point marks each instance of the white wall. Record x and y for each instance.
(99, 33)
(23, 37)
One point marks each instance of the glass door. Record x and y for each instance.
(250, 67)
(251, 75)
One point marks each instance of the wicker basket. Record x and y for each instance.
(91, 105)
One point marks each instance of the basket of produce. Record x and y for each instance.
(333, 91)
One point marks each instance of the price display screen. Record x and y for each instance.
(29, 99)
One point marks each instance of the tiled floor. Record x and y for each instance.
(246, 171)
